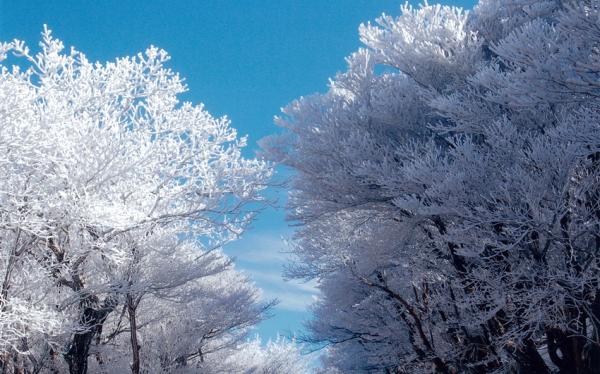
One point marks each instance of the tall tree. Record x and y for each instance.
(447, 191)
(114, 202)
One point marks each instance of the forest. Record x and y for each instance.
(444, 189)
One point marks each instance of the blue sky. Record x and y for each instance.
(242, 58)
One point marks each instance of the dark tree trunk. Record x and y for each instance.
(529, 360)
(91, 319)
(135, 348)
(572, 354)
(78, 352)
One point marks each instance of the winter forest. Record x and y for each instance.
(444, 189)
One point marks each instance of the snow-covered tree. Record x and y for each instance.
(115, 199)
(448, 201)
(276, 357)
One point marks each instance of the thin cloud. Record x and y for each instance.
(262, 256)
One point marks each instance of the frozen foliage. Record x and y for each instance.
(449, 203)
(114, 202)
(277, 357)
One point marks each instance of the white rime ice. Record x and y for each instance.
(115, 200)
(447, 189)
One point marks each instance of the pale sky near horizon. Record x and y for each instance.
(242, 58)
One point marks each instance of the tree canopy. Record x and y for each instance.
(115, 201)
(447, 190)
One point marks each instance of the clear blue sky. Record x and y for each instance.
(242, 58)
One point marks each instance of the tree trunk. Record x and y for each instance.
(576, 355)
(529, 360)
(80, 345)
(135, 348)
(91, 320)
(7, 275)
